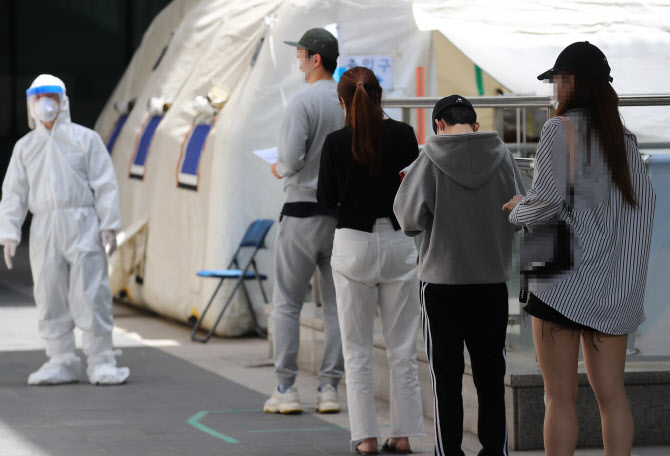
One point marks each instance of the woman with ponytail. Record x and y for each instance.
(373, 262)
(588, 173)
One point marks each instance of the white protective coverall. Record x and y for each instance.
(65, 178)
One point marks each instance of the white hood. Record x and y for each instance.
(45, 81)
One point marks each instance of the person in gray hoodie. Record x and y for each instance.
(452, 195)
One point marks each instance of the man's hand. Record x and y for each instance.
(511, 204)
(108, 241)
(10, 251)
(273, 168)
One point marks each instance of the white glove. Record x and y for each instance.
(108, 241)
(10, 251)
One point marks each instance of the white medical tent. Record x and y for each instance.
(187, 222)
(177, 222)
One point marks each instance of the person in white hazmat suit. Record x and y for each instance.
(62, 173)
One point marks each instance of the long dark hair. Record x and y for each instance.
(603, 103)
(362, 95)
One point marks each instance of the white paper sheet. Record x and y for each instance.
(269, 155)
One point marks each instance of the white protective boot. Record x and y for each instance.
(64, 368)
(102, 370)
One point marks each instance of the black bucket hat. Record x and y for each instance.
(581, 59)
(320, 41)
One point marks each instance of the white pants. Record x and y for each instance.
(370, 271)
(69, 269)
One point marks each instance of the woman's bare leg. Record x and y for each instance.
(557, 353)
(605, 368)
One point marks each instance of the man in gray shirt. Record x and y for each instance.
(306, 231)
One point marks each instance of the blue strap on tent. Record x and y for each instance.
(145, 141)
(44, 89)
(194, 149)
(116, 132)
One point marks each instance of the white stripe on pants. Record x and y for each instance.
(370, 271)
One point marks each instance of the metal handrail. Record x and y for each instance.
(520, 101)
(523, 101)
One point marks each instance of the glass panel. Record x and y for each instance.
(519, 332)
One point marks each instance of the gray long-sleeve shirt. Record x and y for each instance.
(310, 116)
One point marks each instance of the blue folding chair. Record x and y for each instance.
(254, 238)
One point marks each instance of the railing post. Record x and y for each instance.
(406, 115)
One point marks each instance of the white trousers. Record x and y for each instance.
(378, 271)
(69, 269)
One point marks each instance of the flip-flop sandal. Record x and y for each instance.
(388, 448)
(371, 452)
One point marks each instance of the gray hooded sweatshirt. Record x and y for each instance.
(454, 194)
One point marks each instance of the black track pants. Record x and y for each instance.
(477, 316)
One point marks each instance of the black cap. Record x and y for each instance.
(581, 59)
(320, 41)
(448, 102)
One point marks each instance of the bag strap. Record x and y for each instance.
(570, 137)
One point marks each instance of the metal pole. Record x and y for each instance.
(518, 130)
(514, 101)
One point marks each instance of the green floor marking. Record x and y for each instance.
(195, 422)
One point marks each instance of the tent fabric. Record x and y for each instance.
(154, 41)
(215, 45)
(514, 41)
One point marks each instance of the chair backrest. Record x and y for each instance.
(255, 235)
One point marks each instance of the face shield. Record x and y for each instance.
(44, 103)
(45, 99)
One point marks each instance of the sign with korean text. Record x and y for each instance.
(381, 65)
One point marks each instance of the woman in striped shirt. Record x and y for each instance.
(588, 170)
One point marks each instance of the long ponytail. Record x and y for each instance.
(603, 103)
(360, 90)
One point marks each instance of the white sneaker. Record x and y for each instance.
(102, 370)
(58, 370)
(327, 400)
(287, 403)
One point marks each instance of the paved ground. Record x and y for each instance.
(182, 398)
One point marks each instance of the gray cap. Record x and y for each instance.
(319, 41)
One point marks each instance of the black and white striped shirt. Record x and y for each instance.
(605, 290)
